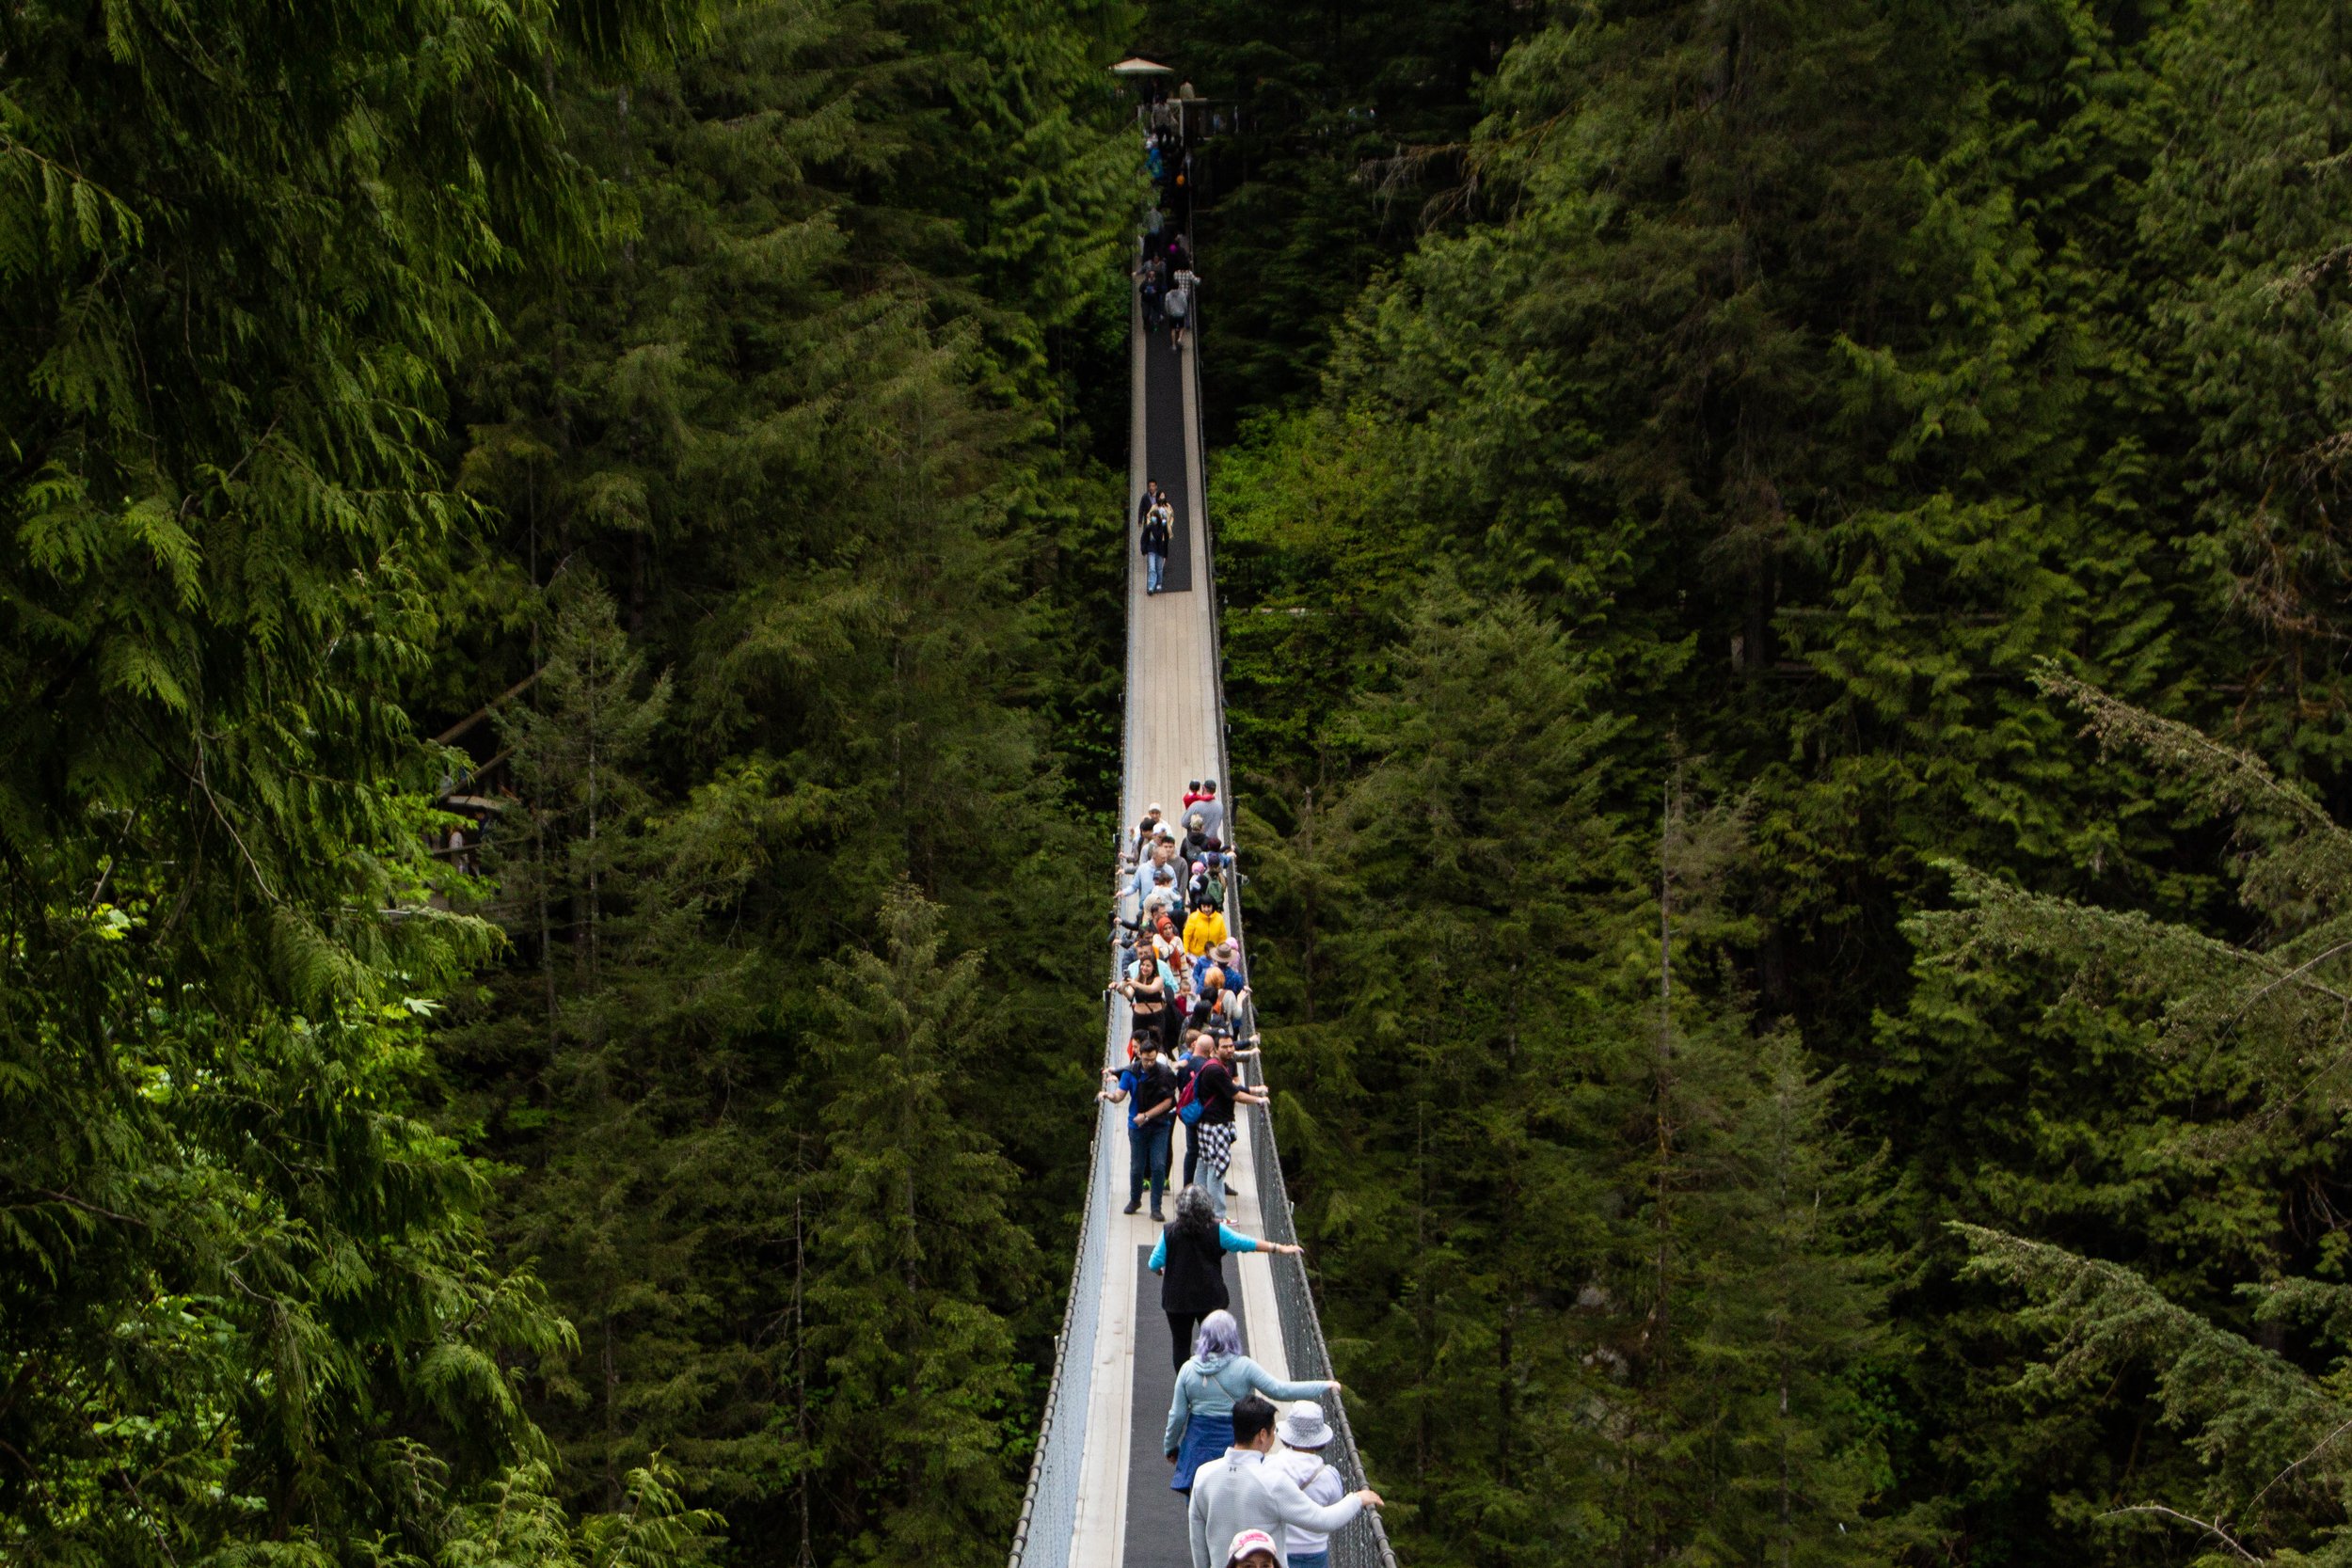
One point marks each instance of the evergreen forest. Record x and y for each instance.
(1791, 686)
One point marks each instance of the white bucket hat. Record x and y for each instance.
(1303, 1426)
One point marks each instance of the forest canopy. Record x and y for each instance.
(560, 642)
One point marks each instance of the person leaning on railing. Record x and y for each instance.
(1305, 1434)
(1190, 1260)
(1217, 1089)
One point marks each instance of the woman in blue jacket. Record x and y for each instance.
(1200, 1416)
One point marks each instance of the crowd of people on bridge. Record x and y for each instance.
(1258, 1492)
(1167, 285)
(1164, 282)
(1190, 1006)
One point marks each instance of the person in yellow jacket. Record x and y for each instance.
(1203, 929)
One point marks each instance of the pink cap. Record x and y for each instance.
(1250, 1541)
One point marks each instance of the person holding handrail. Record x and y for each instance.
(1217, 1089)
(1149, 1089)
(1242, 1499)
(1200, 1415)
(1190, 1261)
(1305, 1434)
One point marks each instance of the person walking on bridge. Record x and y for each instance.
(1147, 832)
(1149, 1089)
(1218, 1376)
(1305, 1434)
(1219, 1090)
(1190, 1261)
(1153, 497)
(1203, 929)
(1209, 810)
(1240, 1494)
(1158, 531)
(1177, 306)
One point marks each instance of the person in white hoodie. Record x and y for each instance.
(1241, 1490)
(1305, 1434)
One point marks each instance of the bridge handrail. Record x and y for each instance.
(1365, 1542)
(1046, 1530)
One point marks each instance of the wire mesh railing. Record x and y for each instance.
(1046, 1534)
(1049, 1508)
(1364, 1543)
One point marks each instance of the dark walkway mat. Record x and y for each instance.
(1164, 451)
(1159, 1535)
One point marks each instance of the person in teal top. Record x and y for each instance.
(1228, 1239)
(1190, 1261)
(1200, 1416)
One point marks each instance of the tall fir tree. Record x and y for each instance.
(1593, 1249)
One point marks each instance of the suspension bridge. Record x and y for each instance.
(1097, 1494)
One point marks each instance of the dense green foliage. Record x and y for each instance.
(1765, 1084)
(1791, 384)
(711, 374)
(1343, 128)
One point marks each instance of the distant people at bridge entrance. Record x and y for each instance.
(1150, 288)
(1177, 305)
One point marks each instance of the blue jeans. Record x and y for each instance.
(1312, 1559)
(1152, 567)
(1146, 1160)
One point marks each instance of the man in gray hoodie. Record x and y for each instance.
(1240, 1491)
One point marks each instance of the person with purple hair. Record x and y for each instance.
(1200, 1416)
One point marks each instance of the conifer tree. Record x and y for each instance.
(802, 423)
(921, 1266)
(250, 1307)
(2244, 1341)
(1594, 1247)
(2244, 217)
